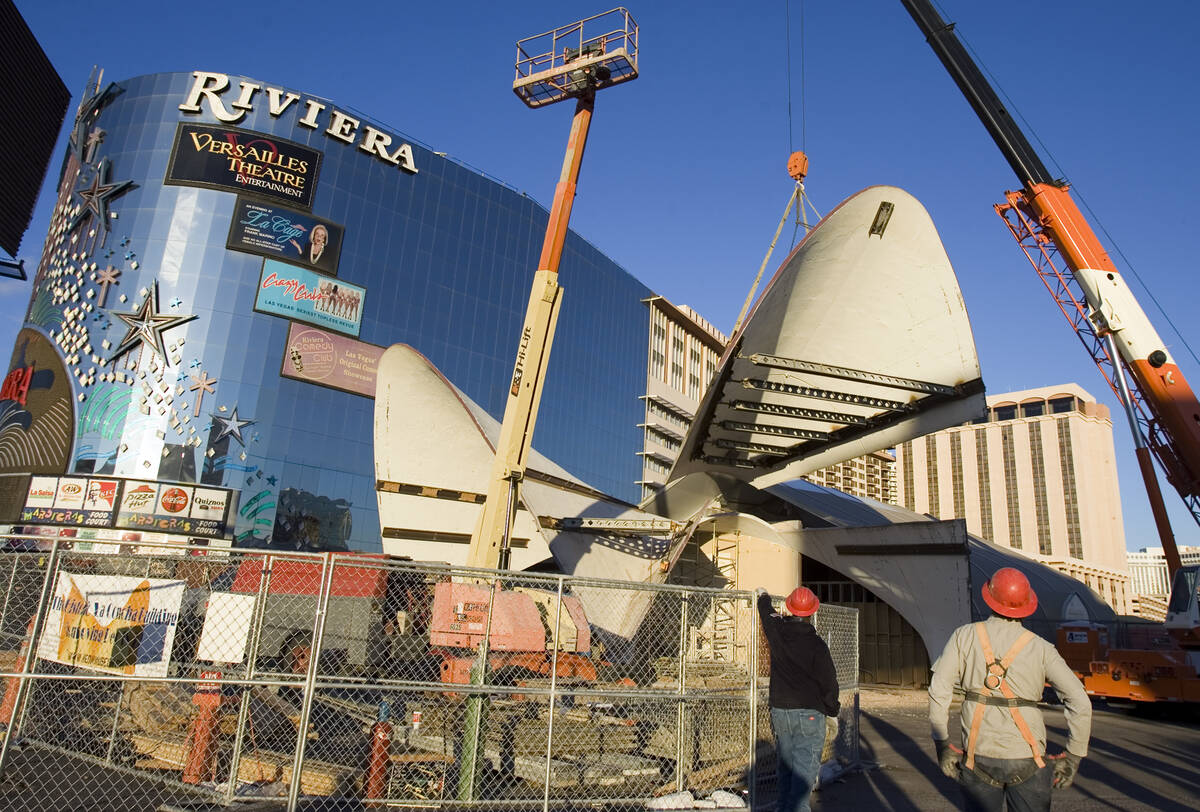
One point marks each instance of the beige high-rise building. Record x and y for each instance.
(1150, 583)
(682, 360)
(1148, 569)
(872, 476)
(1037, 474)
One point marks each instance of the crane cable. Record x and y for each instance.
(798, 196)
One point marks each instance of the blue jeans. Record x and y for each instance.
(799, 734)
(1017, 780)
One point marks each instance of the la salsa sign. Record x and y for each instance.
(213, 89)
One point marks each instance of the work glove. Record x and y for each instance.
(831, 731)
(1065, 767)
(948, 759)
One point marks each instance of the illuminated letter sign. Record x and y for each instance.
(211, 88)
(16, 385)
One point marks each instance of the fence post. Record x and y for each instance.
(260, 611)
(310, 680)
(39, 620)
(855, 752)
(8, 592)
(754, 638)
(112, 733)
(553, 696)
(680, 714)
(475, 714)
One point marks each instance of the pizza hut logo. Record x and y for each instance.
(139, 497)
(174, 500)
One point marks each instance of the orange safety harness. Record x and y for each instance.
(995, 680)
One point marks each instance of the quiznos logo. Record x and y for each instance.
(208, 505)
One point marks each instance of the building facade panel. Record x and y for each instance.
(444, 253)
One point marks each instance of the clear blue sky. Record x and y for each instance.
(684, 179)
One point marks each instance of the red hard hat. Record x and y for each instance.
(802, 602)
(1009, 594)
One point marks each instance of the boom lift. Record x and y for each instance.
(1163, 412)
(571, 62)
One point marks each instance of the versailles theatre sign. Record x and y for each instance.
(211, 87)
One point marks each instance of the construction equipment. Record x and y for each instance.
(569, 62)
(387, 621)
(1162, 409)
(1152, 662)
(1155, 662)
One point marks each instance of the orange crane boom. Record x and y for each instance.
(1162, 408)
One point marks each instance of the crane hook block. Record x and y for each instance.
(797, 165)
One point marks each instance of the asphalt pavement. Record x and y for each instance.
(1138, 760)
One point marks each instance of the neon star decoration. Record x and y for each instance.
(146, 326)
(95, 196)
(231, 426)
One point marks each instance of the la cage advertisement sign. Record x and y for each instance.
(304, 295)
(279, 233)
(233, 160)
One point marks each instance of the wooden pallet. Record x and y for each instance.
(170, 751)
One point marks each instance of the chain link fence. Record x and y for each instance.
(155, 678)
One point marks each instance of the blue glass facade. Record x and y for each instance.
(445, 254)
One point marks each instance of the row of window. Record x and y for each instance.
(1037, 408)
(693, 364)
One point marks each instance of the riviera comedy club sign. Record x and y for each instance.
(214, 90)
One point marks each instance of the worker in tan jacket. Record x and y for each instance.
(1001, 669)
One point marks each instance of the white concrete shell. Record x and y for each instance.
(859, 342)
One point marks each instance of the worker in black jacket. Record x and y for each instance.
(803, 694)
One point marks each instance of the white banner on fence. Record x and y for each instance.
(226, 627)
(116, 624)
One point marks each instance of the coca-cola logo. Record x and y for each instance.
(139, 497)
(174, 500)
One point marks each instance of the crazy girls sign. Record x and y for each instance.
(303, 295)
(279, 233)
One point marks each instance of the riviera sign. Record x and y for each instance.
(209, 87)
